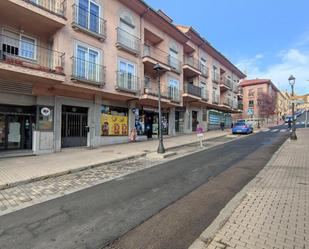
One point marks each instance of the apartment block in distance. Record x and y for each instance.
(77, 73)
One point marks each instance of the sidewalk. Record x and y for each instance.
(272, 210)
(26, 169)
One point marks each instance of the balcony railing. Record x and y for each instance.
(192, 89)
(174, 94)
(227, 101)
(151, 88)
(57, 7)
(240, 106)
(226, 82)
(128, 41)
(88, 22)
(192, 62)
(240, 91)
(204, 94)
(88, 72)
(174, 63)
(156, 54)
(127, 82)
(215, 98)
(23, 53)
(215, 77)
(204, 70)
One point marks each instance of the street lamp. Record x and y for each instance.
(293, 134)
(158, 70)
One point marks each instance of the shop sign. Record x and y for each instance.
(45, 111)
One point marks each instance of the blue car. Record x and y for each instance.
(242, 128)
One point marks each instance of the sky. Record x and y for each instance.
(264, 38)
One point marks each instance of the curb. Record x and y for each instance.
(209, 233)
(82, 168)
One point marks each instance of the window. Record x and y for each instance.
(127, 75)
(251, 103)
(204, 66)
(87, 63)
(173, 59)
(127, 31)
(174, 89)
(251, 93)
(215, 76)
(203, 89)
(114, 121)
(27, 47)
(89, 15)
(204, 116)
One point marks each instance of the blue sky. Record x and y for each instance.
(265, 38)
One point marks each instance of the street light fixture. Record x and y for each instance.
(158, 70)
(292, 83)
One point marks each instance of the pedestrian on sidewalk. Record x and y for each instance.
(200, 133)
(133, 135)
(289, 123)
(222, 126)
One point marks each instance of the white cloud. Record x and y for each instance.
(291, 62)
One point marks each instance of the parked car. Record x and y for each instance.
(242, 128)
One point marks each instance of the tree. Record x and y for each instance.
(266, 105)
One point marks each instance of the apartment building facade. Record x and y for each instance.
(80, 73)
(261, 99)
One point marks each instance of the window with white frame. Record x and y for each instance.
(89, 14)
(174, 89)
(203, 62)
(127, 74)
(87, 62)
(173, 56)
(203, 89)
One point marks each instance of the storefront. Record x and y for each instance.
(216, 117)
(16, 127)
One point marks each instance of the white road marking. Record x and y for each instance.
(283, 130)
(275, 130)
(266, 130)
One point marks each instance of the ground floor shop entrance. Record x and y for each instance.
(16, 126)
(179, 121)
(74, 126)
(194, 120)
(151, 122)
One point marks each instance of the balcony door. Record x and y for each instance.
(89, 14)
(174, 89)
(127, 72)
(87, 63)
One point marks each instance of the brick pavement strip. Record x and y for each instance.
(272, 210)
(28, 194)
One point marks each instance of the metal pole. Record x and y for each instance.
(161, 149)
(293, 134)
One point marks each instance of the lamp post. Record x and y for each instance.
(293, 134)
(158, 70)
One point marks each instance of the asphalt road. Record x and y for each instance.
(93, 217)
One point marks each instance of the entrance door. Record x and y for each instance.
(15, 132)
(194, 120)
(179, 121)
(73, 126)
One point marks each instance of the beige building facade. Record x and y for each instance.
(80, 73)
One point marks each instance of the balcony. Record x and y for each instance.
(175, 64)
(151, 88)
(127, 82)
(35, 16)
(204, 94)
(87, 22)
(216, 78)
(153, 55)
(227, 101)
(240, 92)
(191, 92)
(204, 71)
(23, 59)
(225, 84)
(215, 98)
(88, 72)
(191, 66)
(127, 42)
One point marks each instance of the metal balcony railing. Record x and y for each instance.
(204, 94)
(88, 72)
(151, 88)
(215, 77)
(57, 7)
(156, 54)
(192, 62)
(127, 82)
(89, 22)
(174, 63)
(174, 94)
(192, 89)
(128, 41)
(25, 53)
(226, 82)
(204, 70)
